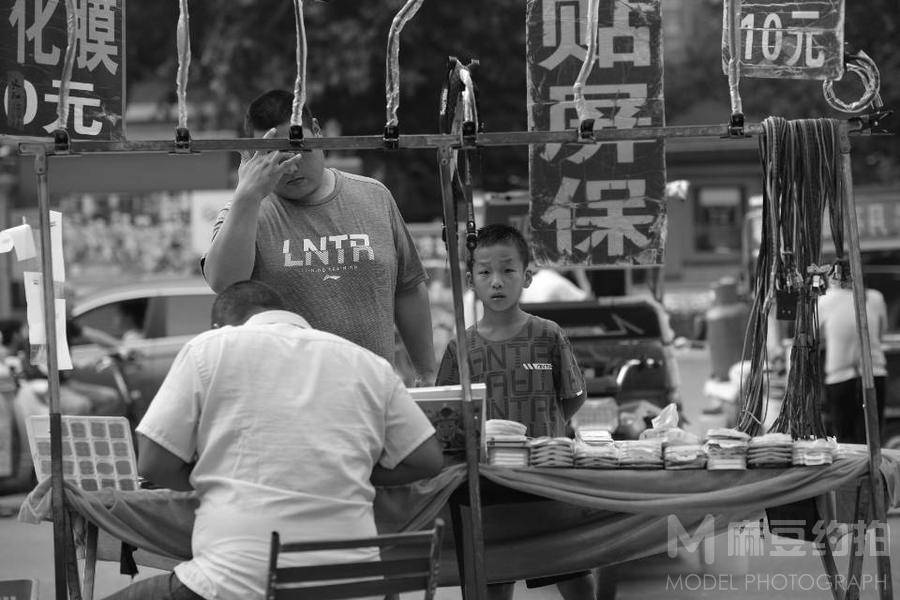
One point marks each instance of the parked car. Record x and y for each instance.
(624, 346)
(153, 318)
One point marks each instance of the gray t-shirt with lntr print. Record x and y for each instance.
(339, 262)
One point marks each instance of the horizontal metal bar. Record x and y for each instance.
(376, 142)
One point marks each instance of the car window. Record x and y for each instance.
(187, 315)
(586, 319)
(118, 319)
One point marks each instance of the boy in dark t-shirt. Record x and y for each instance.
(525, 361)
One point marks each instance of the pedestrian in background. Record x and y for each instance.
(844, 414)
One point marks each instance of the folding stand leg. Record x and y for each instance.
(456, 518)
(834, 578)
(71, 564)
(857, 541)
(90, 562)
(884, 584)
(475, 584)
(828, 514)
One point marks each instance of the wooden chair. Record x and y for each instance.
(409, 562)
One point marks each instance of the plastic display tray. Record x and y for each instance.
(98, 452)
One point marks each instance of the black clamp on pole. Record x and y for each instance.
(736, 126)
(182, 140)
(295, 136)
(469, 134)
(871, 123)
(392, 136)
(586, 130)
(471, 237)
(61, 141)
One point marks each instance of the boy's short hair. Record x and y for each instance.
(272, 109)
(500, 233)
(241, 300)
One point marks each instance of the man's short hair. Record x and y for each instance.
(272, 109)
(500, 233)
(241, 300)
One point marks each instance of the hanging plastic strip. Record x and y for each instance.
(300, 82)
(589, 58)
(183, 42)
(470, 107)
(62, 111)
(865, 68)
(392, 68)
(732, 24)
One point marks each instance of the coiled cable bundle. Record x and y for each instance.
(800, 161)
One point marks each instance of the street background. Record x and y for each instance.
(26, 550)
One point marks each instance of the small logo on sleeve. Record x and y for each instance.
(537, 366)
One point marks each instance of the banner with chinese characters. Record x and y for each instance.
(597, 205)
(789, 40)
(32, 53)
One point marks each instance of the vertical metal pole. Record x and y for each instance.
(56, 474)
(870, 407)
(476, 583)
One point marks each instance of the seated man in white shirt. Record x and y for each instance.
(278, 427)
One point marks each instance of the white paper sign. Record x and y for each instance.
(56, 247)
(37, 333)
(21, 239)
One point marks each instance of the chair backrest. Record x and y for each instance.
(19, 589)
(409, 562)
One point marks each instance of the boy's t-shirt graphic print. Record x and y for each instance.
(526, 376)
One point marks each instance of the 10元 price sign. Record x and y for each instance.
(789, 40)
(33, 39)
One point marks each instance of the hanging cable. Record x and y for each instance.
(732, 24)
(805, 184)
(392, 68)
(458, 114)
(296, 132)
(753, 388)
(62, 108)
(183, 42)
(589, 58)
(862, 65)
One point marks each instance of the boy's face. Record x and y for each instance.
(498, 276)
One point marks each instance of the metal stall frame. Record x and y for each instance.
(475, 589)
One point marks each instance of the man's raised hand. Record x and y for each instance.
(260, 171)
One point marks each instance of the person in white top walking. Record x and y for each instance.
(278, 427)
(844, 414)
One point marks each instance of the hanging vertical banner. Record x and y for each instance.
(596, 205)
(33, 38)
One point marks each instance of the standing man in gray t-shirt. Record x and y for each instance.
(334, 244)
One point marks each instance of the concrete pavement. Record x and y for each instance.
(26, 552)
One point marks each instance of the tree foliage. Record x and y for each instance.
(243, 47)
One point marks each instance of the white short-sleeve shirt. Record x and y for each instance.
(837, 325)
(285, 424)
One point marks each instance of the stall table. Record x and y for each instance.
(537, 521)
